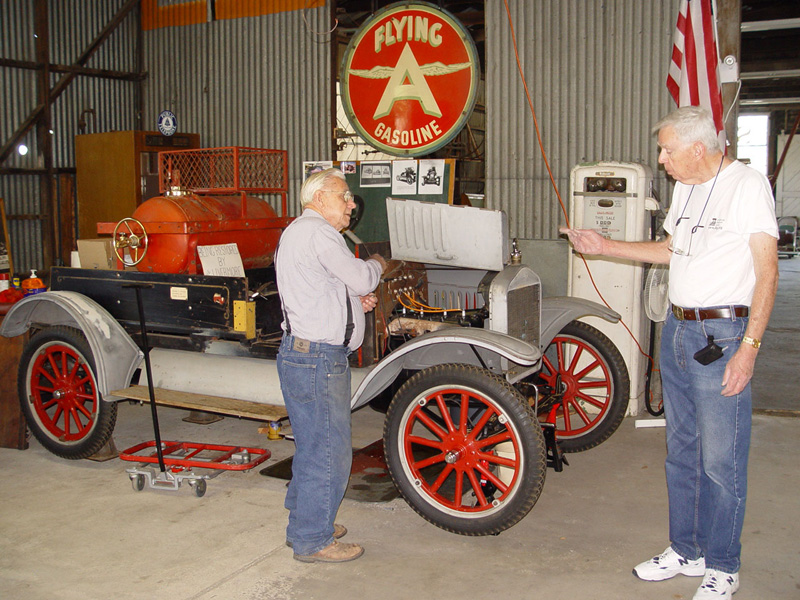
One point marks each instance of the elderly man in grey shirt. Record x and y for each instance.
(324, 291)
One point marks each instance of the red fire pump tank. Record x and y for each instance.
(178, 223)
(204, 202)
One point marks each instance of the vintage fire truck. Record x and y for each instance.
(484, 384)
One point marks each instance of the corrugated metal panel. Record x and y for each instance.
(596, 71)
(73, 25)
(18, 85)
(100, 104)
(103, 104)
(21, 197)
(263, 82)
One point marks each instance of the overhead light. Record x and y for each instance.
(773, 25)
(22, 149)
(768, 101)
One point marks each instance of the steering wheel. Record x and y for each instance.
(135, 241)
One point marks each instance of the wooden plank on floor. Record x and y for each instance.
(205, 403)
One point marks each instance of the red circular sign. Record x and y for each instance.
(410, 78)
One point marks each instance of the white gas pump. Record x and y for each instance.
(615, 198)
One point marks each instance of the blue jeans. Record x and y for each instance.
(708, 441)
(316, 390)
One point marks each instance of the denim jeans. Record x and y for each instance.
(708, 441)
(316, 390)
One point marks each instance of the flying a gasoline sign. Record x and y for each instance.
(410, 78)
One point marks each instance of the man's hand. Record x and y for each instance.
(369, 302)
(585, 241)
(739, 370)
(380, 260)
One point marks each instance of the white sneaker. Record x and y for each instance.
(668, 564)
(717, 585)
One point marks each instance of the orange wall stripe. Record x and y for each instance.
(192, 12)
(173, 15)
(235, 9)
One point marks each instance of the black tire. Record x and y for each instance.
(200, 486)
(138, 481)
(496, 455)
(59, 396)
(585, 397)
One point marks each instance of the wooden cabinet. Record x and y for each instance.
(118, 170)
(12, 421)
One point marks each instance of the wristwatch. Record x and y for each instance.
(755, 343)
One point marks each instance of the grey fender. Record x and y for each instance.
(500, 353)
(557, 311)
(116, 355)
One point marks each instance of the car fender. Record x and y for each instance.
(557, 311)
(500, 353)
(116, 355)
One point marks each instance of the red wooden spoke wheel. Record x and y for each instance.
(59, 395)
(464, 449)
(584, 386)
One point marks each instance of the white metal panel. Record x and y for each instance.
(441, 234)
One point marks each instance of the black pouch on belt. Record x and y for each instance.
(708, 354)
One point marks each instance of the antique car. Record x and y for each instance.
(409, 176)
(484, 382)
(431, 178)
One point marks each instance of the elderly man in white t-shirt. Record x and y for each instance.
(722, 252)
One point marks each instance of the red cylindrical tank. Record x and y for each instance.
(177, 223)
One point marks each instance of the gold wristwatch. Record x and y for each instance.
(755, 343)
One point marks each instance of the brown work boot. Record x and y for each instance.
(335, 552)
(339, 531)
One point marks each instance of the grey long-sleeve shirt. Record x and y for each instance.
(315, 273)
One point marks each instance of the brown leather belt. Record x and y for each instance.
(701, 314)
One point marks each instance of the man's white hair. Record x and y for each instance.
(316, 182)
(692, 124)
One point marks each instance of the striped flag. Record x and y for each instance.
(693, 78)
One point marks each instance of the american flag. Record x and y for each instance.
(693, 78)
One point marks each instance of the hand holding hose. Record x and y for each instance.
(585, 241)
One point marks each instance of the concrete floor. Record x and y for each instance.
(76, 530)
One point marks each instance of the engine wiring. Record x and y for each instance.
(555, 186)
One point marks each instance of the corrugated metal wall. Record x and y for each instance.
(260, 81)
(596, 71)
(73, 25)
(263, 82)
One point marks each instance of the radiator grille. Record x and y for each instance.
(524, 313)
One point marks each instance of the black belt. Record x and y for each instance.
(701, 314)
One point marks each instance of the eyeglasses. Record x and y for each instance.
(688, 250)
(348, 195)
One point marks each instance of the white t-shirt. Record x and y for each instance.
(714, 265)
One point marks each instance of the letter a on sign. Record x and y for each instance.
(407, 69)
(410, 68)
